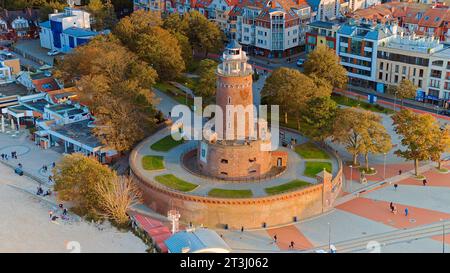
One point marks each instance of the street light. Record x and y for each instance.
(384, 167)
(329, 237)
(443, 235)
(351, 177)
(395, 99)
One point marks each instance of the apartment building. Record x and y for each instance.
(439, 78)
(271, 28)
(324, 10)
(321, 33)
(405, 57)
(357, 48)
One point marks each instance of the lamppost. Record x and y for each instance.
(384, 167)
(443, 235)
(395, 99)
(329, 237)
(351, 177)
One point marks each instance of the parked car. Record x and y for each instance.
(300, 62)
(445, 112)
(18, 171)
(53, 52)
(6, 54)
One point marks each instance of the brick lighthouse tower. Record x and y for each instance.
(235, 150)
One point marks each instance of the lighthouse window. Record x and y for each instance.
(252, 159)
(223, 173)
(229, 100)
(224, 161)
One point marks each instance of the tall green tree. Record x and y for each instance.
(206, 87)
(161, 50)
(419, 134)
(361, 132)
(405, 90)
(323, 63)
(76, 178)
(319, 118)
(204, 35)
(291, 89)
(102, 13)
(116, 86)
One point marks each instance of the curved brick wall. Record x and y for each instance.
(248, 212)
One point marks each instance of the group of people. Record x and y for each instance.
(41, 192)
(13, 155)
(63, 214)
(394, 209)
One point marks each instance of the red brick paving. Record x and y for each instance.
(391, 170)
(379, 211)
(434, 179)
(287, 234)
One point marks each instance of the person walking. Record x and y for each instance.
(399, 172)
(406, 211)
(391, 206)
(275, 238)
(424, 181)
(50, 214)
(395, 187)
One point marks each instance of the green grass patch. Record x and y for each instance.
(166, 144)
(223, 193)
(442, 170)
(175, 183)
(343, 100)
(309, 150)
(153, 162)
(313, 168)
(174, 93)
(294, 184)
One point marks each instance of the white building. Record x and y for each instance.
(271, 28)
(66, 30)
(439, 77)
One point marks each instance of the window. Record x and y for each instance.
(395, 79)
(420, 72)
(438, 63)
(223, 173)
(404, 70)
(420, 83)
(381, 65)
(396, 68)
(251, 160)
(224, 161)
(380, 75)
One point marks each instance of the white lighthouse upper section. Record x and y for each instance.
(234, 61)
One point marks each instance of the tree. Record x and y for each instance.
(291, 89)
(47, 8)
(76, 178)
(175, 23)
(102, 13)
(185, 47)
(130, 28)
(161, 50)
(116, 86)
(206, 87)
(441, 144)
(117, 198)
(319, 118)
(419, 134)
(377, 140)
(204, 35)
(405, 90)
(324, 63)
(361, 132)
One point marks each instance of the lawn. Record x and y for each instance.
(152, 162)
(313, 168)
(223, 193)
(342, 100)
(174, 92)
(309, 150)
(294, 184)
(175, 183)
(166, 144)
